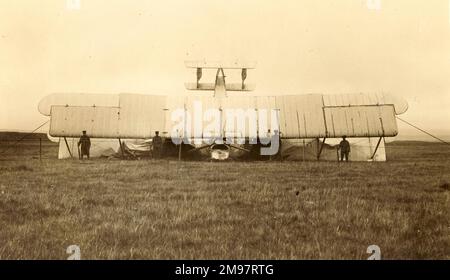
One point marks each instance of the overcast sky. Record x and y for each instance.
(301, 46)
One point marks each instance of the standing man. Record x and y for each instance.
(85, 143)
(157, 145)
(344, 146)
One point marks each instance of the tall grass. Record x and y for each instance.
(116, 209)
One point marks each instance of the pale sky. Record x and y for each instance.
(301, 46)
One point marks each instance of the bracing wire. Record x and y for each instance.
(23, 137)
(429, 134)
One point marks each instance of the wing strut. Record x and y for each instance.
(376, 148)
(321, 147)
(67, 145)
(243, 76)
(199, 75)
(121, 148)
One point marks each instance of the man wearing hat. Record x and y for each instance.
(85, 143)
(157, 144)
(344, 146)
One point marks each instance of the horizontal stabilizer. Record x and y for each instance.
(238, 87)
(211, 86)
(201, 86)
(220, 64)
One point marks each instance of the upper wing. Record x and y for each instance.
(135, 116)
(297, 116)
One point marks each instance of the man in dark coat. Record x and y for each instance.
(344, 147)
(157, 144)
(85, 143)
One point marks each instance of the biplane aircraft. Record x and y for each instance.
(222, 123)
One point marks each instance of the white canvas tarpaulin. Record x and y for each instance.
(362, 149)
(99, 147)
(137, 147)
(105, 147)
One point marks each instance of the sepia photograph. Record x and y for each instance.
(255, 130)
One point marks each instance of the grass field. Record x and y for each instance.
(115, 209)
